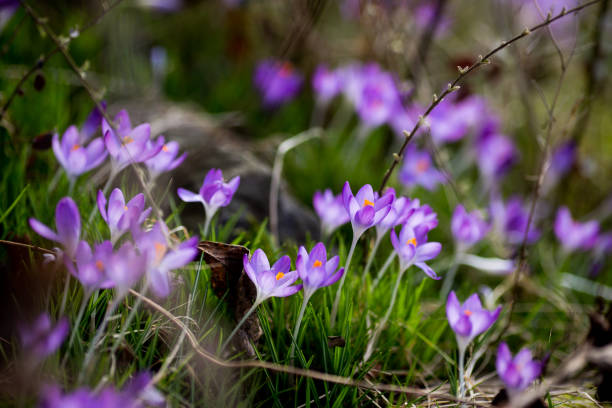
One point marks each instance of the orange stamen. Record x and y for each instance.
(100, 265)
(368, 202)
(412, 241)
(279, 275)
(75, 147)
(317, 263)
(422, 165)
(125, 207)
(127, 140)
(160, 250)
(468, 313)
(165, 148)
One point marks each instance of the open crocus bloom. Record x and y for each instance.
(166, 160)
(364, 208)
(518, 372)
(470, 319)
(575, 235)
(74, 156)
(90, 266)
(510, 220)
(326, 84)
(315, 270)
(400, 210)
(330, 210)
(422, 215)
(68, 224)
(41, 338)
(418, 169)
(120, 216)
(412, 248)
(160, 258)
(125, 267)
(214, 192)
(128, 145)
(276, 281)
(468, 228)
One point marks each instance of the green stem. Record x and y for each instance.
(75, 326)
(296, 331)
(371, 257)
(449, 279)
(461, 371)
(240, 323)
(339, 290)
(65, 295)
(385, 319)
(384, 268)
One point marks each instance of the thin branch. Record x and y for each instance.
(463, 72)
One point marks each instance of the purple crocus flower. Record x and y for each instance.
(422, 215)
(495, 155)
(128, 145)
(92, 124)
(365, 209)
(424, 16)
(561, 162)
(276, 281)
(277, 81)
(377, 98)
(412, 248)
(401, 209)
(452, 120)
(470, 319)
(41, 338)
(468, 228)
(510, 221)
(315, 270)
(68, 224)
(326, 84)
(160, 259)
(53, 397)
(120, 216)
(418, 169)
(575, 235)
(564, 30)
(74, 156)
(330, 210)
(125, 267)
(213, 194)
(403, 119)
(166, 160)
(91, 266)
(518, 372)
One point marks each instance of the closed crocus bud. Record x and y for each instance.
(516, 372)
(68, 225)
(326, 84)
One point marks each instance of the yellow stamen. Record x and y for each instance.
(412, 241)
(279, 275)
(127, 140)
(160, 251)
(100, 265)
(317, 263)
(467, 312)
(368, 202)
(125, 207)
(165, 148)
(75, 147)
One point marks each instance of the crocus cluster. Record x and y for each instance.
(79, 152)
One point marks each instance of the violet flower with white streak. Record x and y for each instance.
(574, 235)
(166, 160)
(213, 194)
(160, 259)
(316, 272)
(365, 210)
(119, 216)
(128, 145)
(330, 210)
(68, 224)
(275, 281)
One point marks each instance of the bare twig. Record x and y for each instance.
(463, 72)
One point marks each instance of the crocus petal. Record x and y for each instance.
(512, 376)
(463, 326)
(96, 154)
(453, 308)
(189, 196)
(259, 261)
(288, 291)
(159, 281)
(504, 358)
(233, 184)
(428, 251)
(334, 278)
(42, 230)
(112, 144)
(318, 253)
(365, 193)
(427, 269)
(472, 303)
(347, 194)
(282, 265)
(248, 269)
(365, 216)
(68, 223)
(57, 150)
